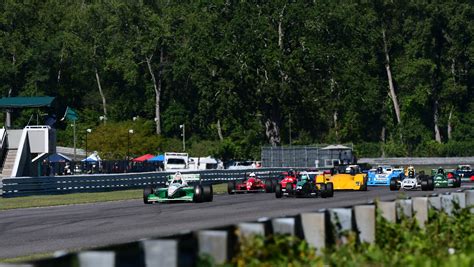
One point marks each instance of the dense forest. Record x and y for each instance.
(393, 77)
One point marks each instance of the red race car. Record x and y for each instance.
(251, 184)
(289, 180)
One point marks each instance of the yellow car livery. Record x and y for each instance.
(344, 177)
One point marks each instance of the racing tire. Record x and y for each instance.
(431, 184)
(231, 187)
(268, 186)
(289, 189)
(148, 190)
(323, 190)
(274, 184)
(330, 189)
(363, 187)
(207, 193)
(306, 190)
(278, 191)
(424, 185)
(198, 194)
(393, 184)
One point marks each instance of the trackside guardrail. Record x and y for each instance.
(320, 229)
(438, 161)
(48, 185)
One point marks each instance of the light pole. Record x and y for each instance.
(88, 131)
(130, 131)
(184, 136)
(103, 118)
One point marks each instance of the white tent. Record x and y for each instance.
(94, 157)
(331, 147)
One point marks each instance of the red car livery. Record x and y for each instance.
(251, 184)
(289, 179)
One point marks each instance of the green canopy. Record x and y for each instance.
(26, 102)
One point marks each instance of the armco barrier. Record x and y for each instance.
(319, 228)
(48, 185)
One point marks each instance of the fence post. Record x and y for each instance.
(460, 199)
(284, 226)
(435, 202)
(250, 229)
(160, 253)
(420, 207)
(214, 244)
(447, 203)
(388, 210)
(470, 199)
(341, 222)
(314, 229)
(404, 208)
(365, 222)
(96, 258)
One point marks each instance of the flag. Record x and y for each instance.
(70, 114)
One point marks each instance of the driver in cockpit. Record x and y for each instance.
(178, 179)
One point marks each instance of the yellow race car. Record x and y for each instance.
(344, 177)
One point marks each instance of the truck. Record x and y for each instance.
(176, 161)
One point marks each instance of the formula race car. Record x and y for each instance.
(383, 174)
(178, 189)
(289, 177)
(252, 184)
(465, 172)
(344, 177)
(445, 178)
(304, 186)
(412, 181)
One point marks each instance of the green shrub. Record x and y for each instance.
(368, 150)
(445, 241)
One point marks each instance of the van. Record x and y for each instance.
(176, 161)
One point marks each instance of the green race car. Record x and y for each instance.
(304, 186)
(445, 178)
(179, 190)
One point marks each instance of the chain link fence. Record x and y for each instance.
(317, 156)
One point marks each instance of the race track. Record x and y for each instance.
(40, 230)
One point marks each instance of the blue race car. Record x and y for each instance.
(465, 172)
(383, 174)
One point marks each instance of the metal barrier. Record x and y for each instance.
(49, 185)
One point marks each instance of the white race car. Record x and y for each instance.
(413, 182)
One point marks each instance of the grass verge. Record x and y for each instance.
(67, 199)
(28, 258)
(79, 198)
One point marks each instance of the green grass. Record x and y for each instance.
(67, 199)
(28, 258)
(79, 198)
(220, 189)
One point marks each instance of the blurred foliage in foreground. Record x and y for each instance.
(445, 241)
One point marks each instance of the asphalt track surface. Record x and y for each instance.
(72, 227)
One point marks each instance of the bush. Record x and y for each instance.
(445, 241)
(368, 150)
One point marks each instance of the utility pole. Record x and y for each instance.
(184, 136)
(74, 137)
(88, 131)
(289, 127)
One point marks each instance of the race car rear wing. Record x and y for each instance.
(188, 177)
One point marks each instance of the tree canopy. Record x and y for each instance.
(240, 74)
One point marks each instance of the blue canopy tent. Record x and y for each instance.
(58, 157)
(157, 158)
